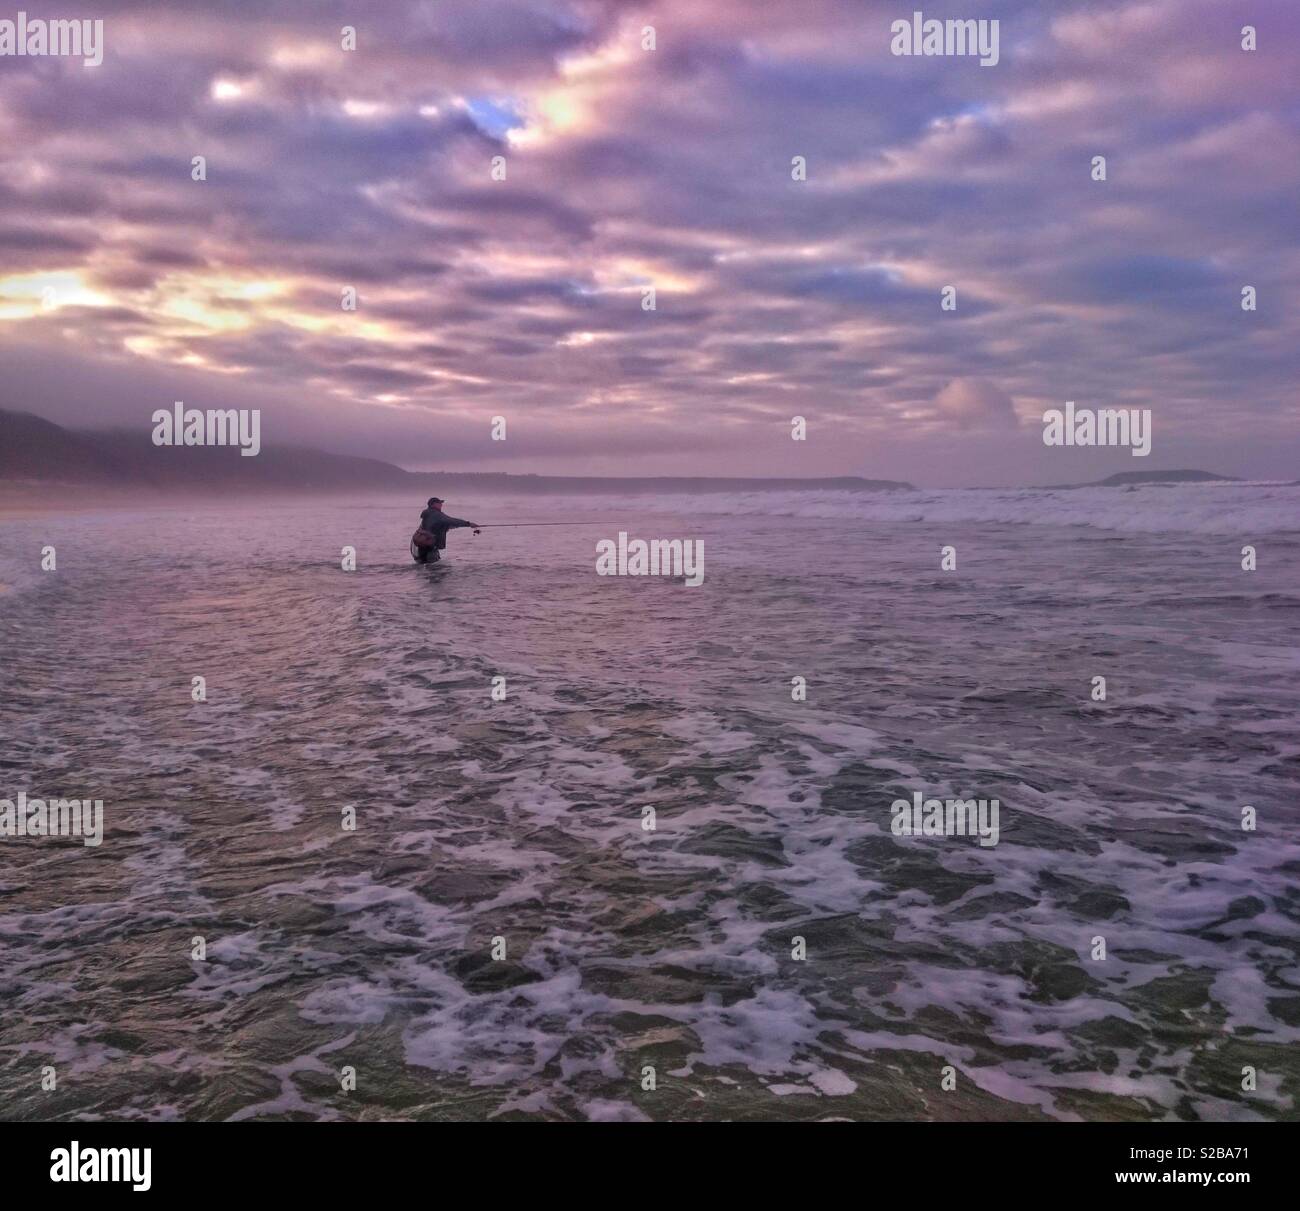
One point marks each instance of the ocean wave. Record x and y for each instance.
(1238, 509)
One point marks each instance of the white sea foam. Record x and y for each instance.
(672, 948)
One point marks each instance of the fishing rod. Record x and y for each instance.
(505, 525)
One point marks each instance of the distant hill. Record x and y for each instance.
(1125, 479)
(31, 447)
(36, 450)
(1163, 477)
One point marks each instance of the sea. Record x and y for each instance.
(504, 838)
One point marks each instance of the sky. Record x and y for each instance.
(125, 284)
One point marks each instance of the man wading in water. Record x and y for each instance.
(431, 537)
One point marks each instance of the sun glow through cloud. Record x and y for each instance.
(23, 296)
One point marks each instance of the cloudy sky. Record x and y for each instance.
(126, 285)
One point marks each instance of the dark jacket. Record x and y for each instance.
(438, 523)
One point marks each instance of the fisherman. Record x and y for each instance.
(431, 537)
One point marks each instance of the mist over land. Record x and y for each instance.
(35, 451)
